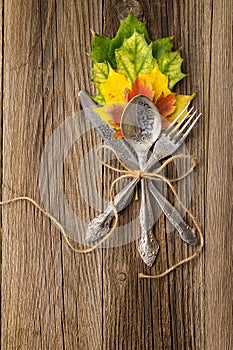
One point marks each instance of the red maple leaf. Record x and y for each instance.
(165, 104)
(115, 113)
(118, 134)
(139, 88)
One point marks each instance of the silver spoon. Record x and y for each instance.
(141, 126)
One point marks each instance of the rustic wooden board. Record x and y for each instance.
(53, 298)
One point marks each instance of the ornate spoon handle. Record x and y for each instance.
(148, 245)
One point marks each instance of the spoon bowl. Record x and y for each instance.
(141, 123)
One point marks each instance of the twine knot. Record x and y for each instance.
(137, 174)
(155, 175)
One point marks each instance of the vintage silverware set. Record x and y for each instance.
(141, 148)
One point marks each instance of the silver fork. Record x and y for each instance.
(169, 141)
(174, 135)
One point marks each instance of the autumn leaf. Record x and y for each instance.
(103, 48)
(170, 65)
(139, 88)
(100, 73)
(182, 101)
(127, 28)
(162, 46)
(111, 114)
(134, 56)
(165, 104)
(113, 88)
(100, 48)
(130, 64)
(158, 82)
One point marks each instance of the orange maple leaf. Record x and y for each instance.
(165, 104)
(118, 134)
(139, 88)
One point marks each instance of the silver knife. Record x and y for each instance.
(125, 152)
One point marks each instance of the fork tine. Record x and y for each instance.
(186, 124)
(172, 133)
(169, 128)
(188, 130)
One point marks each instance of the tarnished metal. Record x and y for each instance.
(167, 143)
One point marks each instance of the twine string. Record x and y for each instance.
(52, 218)
(126, 172)
(155, 175)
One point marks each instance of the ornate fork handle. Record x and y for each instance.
(100, 226)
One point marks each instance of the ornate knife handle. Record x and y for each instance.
(174, 217)
(100, 226)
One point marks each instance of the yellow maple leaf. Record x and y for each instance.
(181, 102)
(113, 89)
(158, 82)
(111, 113)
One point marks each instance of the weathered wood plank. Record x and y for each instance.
(54, 298)
(46, 303)
(28, 275)
(219, 218)
(1, 112)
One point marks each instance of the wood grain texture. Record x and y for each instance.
(219, 193)
(53, 298)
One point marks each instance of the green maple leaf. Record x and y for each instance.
(100, 73)
(127, 28)
(130, 53)
(162, 46)
(103, 48)
(100, 48)
(170, 64)
(134, 56)
(99, 99)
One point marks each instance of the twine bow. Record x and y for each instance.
(155, 175)
(127, 173)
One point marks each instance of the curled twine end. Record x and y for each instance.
(195, 161)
